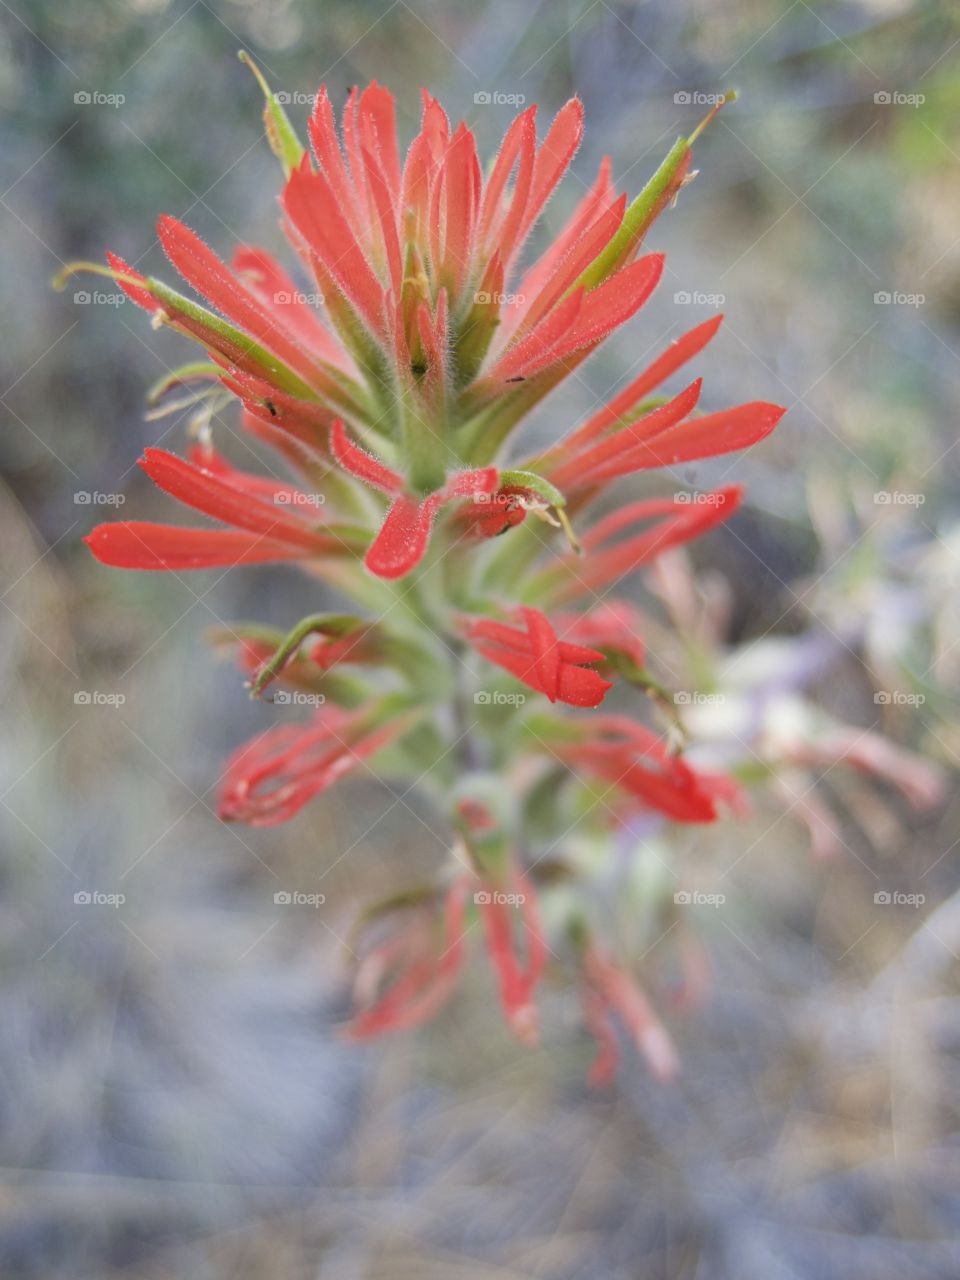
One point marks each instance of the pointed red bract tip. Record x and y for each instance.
(140, 544)
(563, 672)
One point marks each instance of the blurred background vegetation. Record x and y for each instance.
(177, 1103)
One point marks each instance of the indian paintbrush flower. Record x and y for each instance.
(393, 387)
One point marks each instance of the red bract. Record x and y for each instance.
(405, 980)
(636, 762)
(613, 995)
(502, 510)
(535, 656)
(506, 915)
(271, 530)
(271, 778)
(403, 537)
(627, 436)
(614, 627)
(395, 362)
(607, 558)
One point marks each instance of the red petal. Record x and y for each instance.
(569, 268)
(516, 986)
(140, 296)
(559, 675)
(138, 544)
(614, 626)
(216, 497)
(506, 238)
(277, 291)
(386, 218)
(315, 212)
(612, 456)
(263, 487)
(568, 331)
(607, 1061)
(326, 145)
(270, 779)
(423, 161)
(553, 159)
(679, 523)
(612, 303)
(361, 464)
(582, 686)
(676, 355)
(378, 126)
(462, 180)
(535, 350)
(708, 437)
(520, 136)
(402, 540)
(420, 992)
(468, 484)
(212, 278)
(546, 654)
(590, 209)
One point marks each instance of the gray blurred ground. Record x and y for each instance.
(175, 1100)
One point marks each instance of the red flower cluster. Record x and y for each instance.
(391, 385)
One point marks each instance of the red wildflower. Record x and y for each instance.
(605, 560)
(633, 759)
(611, 993)
(502, 510)
(416, 352)
(403, 537)
(272, 777)
(262, 531)
(621, 438)
(345, 641)
(517, 978)
(535, 656)
(614, 628)
(420, 972)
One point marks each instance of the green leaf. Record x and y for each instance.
(232, 343)
(281, 135)
(227, 339)
(635, 220)
(198, 369)
(530, 480)
(328, 624)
